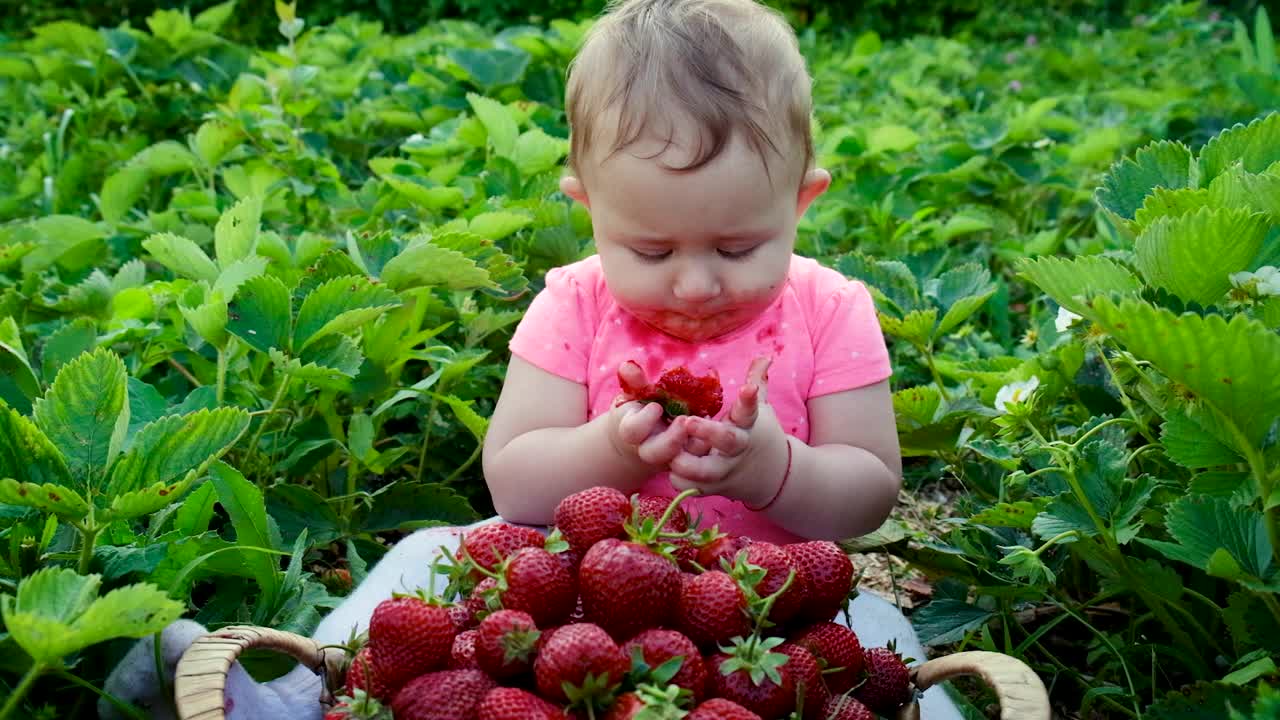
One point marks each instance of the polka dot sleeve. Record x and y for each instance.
(555, 333)
(849, 347)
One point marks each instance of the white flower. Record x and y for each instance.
(1065, 319)
(1264, 281)
(1015, 393)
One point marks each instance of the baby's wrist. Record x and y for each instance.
(775, 477)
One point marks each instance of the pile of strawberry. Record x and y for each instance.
(626, 610)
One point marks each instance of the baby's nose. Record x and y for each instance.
(696, 284)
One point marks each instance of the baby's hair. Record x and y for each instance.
(729, 66)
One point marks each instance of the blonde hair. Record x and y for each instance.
(729, 66)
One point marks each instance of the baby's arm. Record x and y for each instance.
(541, 447)
(846, 480)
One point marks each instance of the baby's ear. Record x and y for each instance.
(574, 188)
(814, 183)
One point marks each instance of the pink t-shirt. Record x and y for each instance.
(822, 333)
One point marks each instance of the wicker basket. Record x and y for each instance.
(202, 673)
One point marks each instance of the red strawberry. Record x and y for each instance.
(721, 709)
(654, 507)
(777, 566)
(477, 604)
(648, 702)
(834, 646)
(583, 657)
(712, 609)
(516, 704)
(658, 646)
(626, 587)
(409, 636)
(341, 711)
(843, 707)
(810, 689)
(534, 581)
(463, 655)
(830, 575)
(443, 695)
(888, 684)
(360, 676)
(360, 707)
(754, 675)
(489, 545)
(589, 516)
(680, 392)
(723, 546)
(505, 642)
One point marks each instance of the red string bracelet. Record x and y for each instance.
(781, 485)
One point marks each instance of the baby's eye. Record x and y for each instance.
(651, 255)
(736, 254)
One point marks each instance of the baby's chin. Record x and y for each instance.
(691, 329)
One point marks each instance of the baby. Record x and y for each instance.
(691, 148)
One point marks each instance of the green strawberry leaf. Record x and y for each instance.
(499, 123)
(1191, 446)
(498, 225)
(1070, 282)
(960, 292)
(260, 314)
(235, 274)
(491, 68)
(85, 413)
(412, 181)
(1015, 515)
(535, 152)
(28, 455)
(14, 363)
(506, 278)
(890, 281)
(1233, 366)
(473, 421)
(121, 190)
(1114, 498)
(57, 499)
(58, 612)
(425, 264)
(209, 319)
(1222, 539)
(339, 306)
(167, 157)
(1256, 146)
(1162, 164)
(236, 234)
(215, 138)
(1163, 202)
(917, 327)
(947, 620)
(244, 503)
(171, 447)
(181, 256)
(144, 501)
(1193, 255)
(66, 344)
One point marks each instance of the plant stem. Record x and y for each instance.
(463, 467)
(933, 370)
(275, 402)
(1124, 397)
(21, 691)
(88, 534)
(222, 375)
(426, 436)
(120, 705)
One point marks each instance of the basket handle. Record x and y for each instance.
(201, 675)
(1021, 692)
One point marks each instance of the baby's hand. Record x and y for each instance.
(637, 428)
(741, 447)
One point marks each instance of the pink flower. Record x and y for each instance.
(1032, 41)
(1010, 58)
(1215, 16)
(1015, 86)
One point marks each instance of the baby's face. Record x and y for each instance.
(696, 254)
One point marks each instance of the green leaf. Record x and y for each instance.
(167, 449)
(238, 273)
(470, 419)
(535, 151)
(1190, 446)
(891, 139)
(260, 313)
(1234, 366)
(1162, 164)
(68, 240)
(1163, 202)
(182, 256)
(57, 612)
(412, 181)
(339, 306)
(426, 264)
(297, 508)
(68, 343)
(491, 68)
(1199, 701)
(57, 499)
(1193, 255)
(196, 511)
(890, 281)
(1070, 282)
(497, 225)
(916, 328)
(215, 138)
(13, 359)
(244, 504)
(1217, 537)
(27, 454)
(86, 413)
(209, 320)
(167, 157)
(121, 190)
(498, 121)
(1256, 146)
(506, 278)
(960, 292)
(144, 501)
(236, 234)
(947, 620)
(409, 506)
(1015, 515)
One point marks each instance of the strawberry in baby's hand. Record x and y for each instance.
(680, 392)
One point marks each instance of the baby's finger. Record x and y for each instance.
(703, 470)
(726, 438)
(697, 446)
(638, 422)
(746, 408)
(631, 378)
(661, 448)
